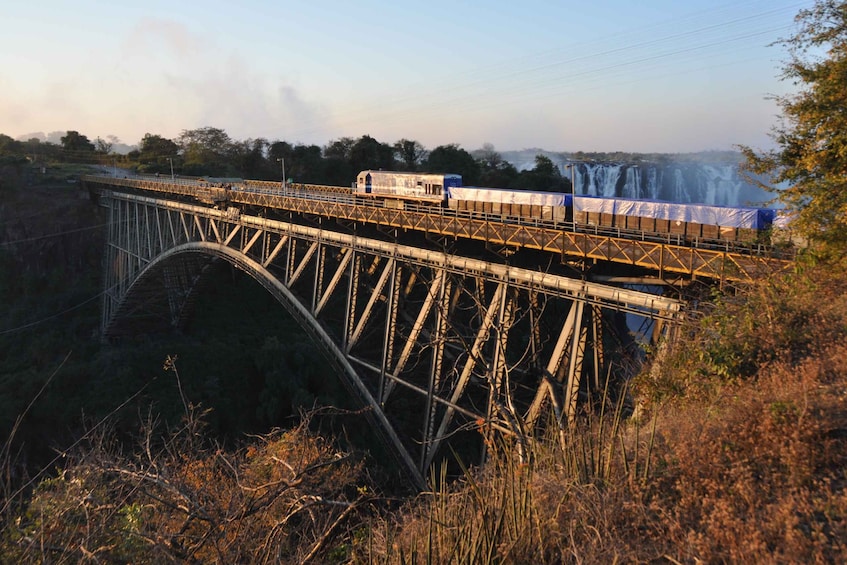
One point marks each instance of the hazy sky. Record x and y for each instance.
(601, 75)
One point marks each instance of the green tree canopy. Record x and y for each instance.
(808, 170)
(339, 148)
(206, 151)
(156, 154)
(544, 176)
(279, 150)
(307, 164)
(248, 157)
(410, 153)
(453, 159)
(494, 170)
(9, 146)
(74, 142)
(154, 148)
(103, 146)
(368, 153)
(337, 169)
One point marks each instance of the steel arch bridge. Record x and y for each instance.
(432, 343)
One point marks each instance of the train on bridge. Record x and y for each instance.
(689, 221)
(707, 225)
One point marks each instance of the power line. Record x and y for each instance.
(525, 80)
(530, 86)
(53, 316)
(63, 312)
(57, 234)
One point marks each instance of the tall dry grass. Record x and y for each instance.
(287, 497)
(739, 455)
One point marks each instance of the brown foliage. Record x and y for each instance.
(743, 459)
(281, 499)
(758, 475)
(739, 456)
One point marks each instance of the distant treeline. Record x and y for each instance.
(211, 151)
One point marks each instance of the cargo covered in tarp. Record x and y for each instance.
(510, 203)
(725, 216)
(508, 196)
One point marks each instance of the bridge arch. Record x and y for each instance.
(435, 340)
(211, 250)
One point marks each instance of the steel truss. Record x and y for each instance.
(436, 345)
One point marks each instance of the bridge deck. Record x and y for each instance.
(663, 254)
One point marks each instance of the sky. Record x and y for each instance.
(669, 76)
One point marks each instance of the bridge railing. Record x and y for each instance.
(344, 195)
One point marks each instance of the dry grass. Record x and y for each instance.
(740, 456)
(287, 498)
(758, 475)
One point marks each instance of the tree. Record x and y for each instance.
(11, 160)
(544, 166)
(9, 146)
(808, 170)
(39, 151)
(368, 153)
(307, 165)
(339, 149)
(410, 153)
(156, 146)
(488, 157)
(494, 170)
(103, 146)
(75, 142)
(279, 150)
(453, 159)
(156, 154)
(544, 176)
(248, 157)
(206, 151)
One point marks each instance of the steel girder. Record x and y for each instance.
(604, 244)
(436, 345)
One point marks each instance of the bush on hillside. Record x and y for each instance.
(288, 497)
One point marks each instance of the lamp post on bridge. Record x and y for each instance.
(282, 160)
(171, 161)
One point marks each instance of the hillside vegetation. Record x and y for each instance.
(737, 453)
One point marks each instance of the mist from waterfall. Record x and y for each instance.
(719, 185)
(698, 179)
